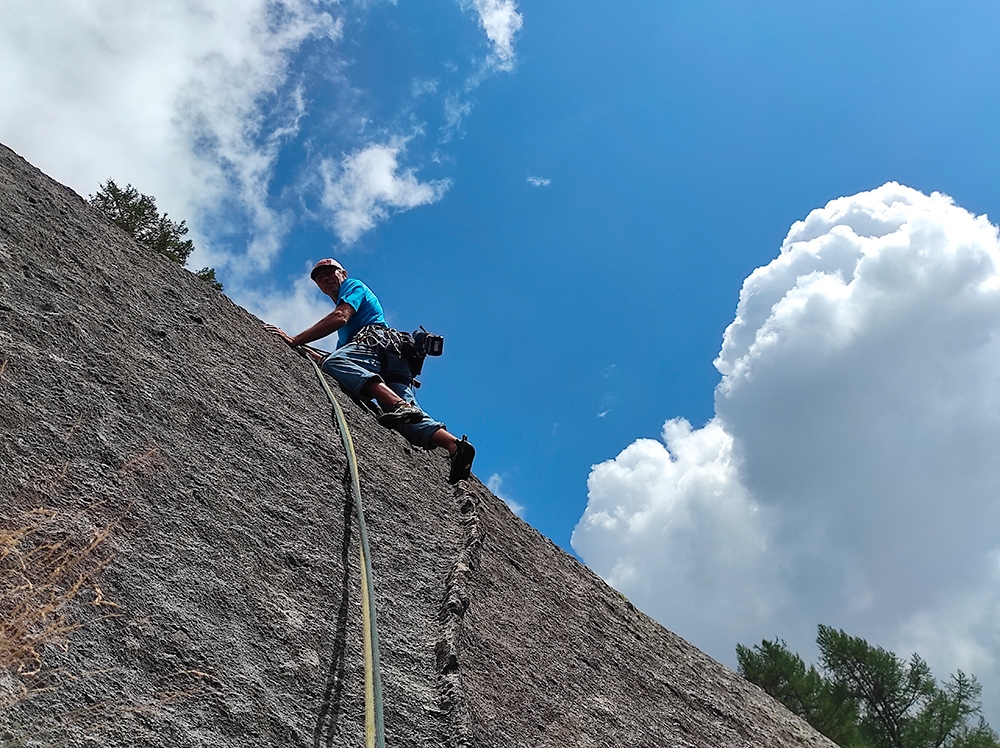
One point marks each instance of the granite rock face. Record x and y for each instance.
(225, 611)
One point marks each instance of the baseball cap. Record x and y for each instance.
(324, 263)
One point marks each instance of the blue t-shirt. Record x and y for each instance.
(366, 308)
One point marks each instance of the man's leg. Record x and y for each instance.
(356, 368)
(428, 434)
(376, 389)
(441, 438)
(462, 454)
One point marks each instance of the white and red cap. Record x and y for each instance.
(328, 262)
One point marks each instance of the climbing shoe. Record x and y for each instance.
(461, 461)
(402, 413)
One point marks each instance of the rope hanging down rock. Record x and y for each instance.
(374, 726)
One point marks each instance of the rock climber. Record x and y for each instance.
(370, 363)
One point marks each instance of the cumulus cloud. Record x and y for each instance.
(538, 181)
(367, 184)
(168, 96)
(678, 505)
(849, 476)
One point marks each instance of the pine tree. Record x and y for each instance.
(901, 705)
(137, 214)
(805, 692)
(208, 275)
(867, 697)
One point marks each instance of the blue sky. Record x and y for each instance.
(574, 196)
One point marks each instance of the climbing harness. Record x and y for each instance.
(412, 348)
(374, 726)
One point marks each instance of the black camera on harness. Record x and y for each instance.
(418, 346)
(428, 343)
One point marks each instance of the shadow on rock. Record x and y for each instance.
(326, 729)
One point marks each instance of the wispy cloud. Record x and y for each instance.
(456, 108)
(495, 483)
(293, 310)
(538, 181)
(198, 102)
(169, 96)
(501, 21)
(849, 476)
(195, 102)
(367, 185)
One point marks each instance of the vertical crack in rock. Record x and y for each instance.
(454, 605)
(226, 574)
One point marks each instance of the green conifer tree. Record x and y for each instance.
(137, 214)
(804, 691)
(867, 697)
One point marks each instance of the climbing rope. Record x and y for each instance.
(374, 726)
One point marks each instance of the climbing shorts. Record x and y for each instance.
(354, 366)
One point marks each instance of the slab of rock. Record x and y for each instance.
(224, 609)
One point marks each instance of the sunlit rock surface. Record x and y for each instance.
(226, 611)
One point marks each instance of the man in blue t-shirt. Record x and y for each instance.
(369, 363)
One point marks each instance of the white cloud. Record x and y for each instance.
(456, 109)
(670, 521)
(850, 474)
(196, 103)
(167, 96)
(293, 310)
(538, 181)
(501, 21)
(367, 184)
(494, 483)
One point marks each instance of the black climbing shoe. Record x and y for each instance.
(402, 413)
(461, 461)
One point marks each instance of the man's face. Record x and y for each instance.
(329, 279)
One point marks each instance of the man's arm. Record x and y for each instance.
(329, 324)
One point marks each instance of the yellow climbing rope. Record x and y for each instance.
(374, 726)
